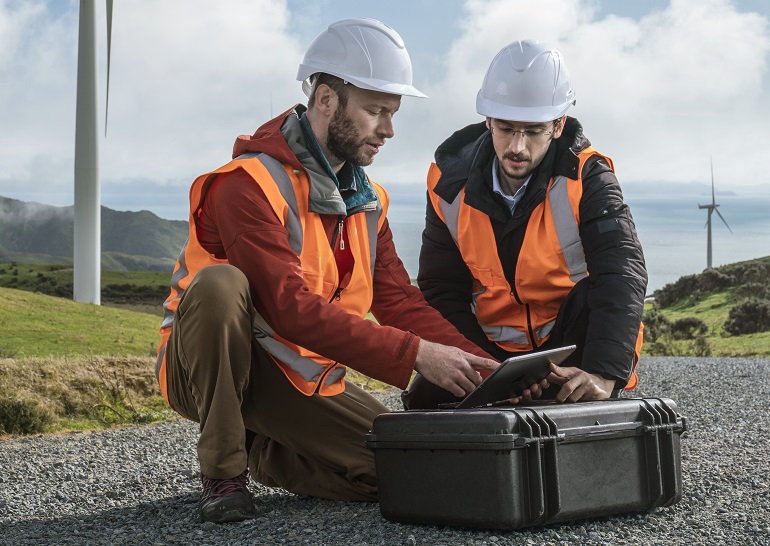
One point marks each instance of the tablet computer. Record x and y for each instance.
(514, 375)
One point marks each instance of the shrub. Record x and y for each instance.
(656, 325)
(679, 290)
(695, 287)
(22, 417)
(688, 328)
(714, 279)
(657, 348)
(701, 346)
(752, 290)
(749, 317)
(751, 272)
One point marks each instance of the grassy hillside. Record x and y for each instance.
(723, 311)
(148, 288)
(66, 365)
(43, 326)
(72, 366)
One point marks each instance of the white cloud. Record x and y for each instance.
(184, 85)
(659, 93)
(186, 78)
(35, 98)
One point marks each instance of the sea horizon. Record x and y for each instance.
(670, 226)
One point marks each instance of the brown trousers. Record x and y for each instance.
(218, 377)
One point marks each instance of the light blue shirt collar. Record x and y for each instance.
(510, 200)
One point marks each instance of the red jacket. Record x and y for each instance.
(237, 223)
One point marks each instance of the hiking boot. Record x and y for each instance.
(226, 500)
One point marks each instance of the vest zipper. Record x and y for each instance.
(530, 331)
(338, 234)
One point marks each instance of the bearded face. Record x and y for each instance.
(358, 129)
(346, 142)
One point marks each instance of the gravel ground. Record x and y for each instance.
(140, 485)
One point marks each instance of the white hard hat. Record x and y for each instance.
(527, 81)
(364, 52)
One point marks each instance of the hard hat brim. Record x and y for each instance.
(530, 114)
(372, 84)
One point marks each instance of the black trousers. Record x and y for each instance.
(570, 328)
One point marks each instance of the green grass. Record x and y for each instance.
(146, 288)
(73, 366)
(35, 325)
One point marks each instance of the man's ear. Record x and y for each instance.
(326, 99)
(489, 121)
(559, 127)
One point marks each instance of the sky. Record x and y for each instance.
(663, 86)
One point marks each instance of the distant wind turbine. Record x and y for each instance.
(711, 208)
(87, 233)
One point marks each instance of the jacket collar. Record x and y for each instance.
(283, 139)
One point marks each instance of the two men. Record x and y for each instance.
(289, 248)
(528, 244)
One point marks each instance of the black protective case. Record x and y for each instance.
(528, 465)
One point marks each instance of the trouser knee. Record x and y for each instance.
(221, 290)
(212, 333)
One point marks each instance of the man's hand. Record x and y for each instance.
(577, 385)
(451, 368)
(534, 391)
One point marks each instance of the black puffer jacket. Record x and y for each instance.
(617, 274)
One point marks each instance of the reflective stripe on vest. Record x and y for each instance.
(567, 229)
(308, 367)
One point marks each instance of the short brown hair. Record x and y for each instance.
(338, 85)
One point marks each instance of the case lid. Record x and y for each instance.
(517, 426)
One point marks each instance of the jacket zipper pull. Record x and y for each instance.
(342, 238)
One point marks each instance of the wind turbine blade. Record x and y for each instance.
(109, 46)
(723, 219)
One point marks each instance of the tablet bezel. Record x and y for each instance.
(514, 375)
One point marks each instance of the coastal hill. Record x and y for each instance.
(131, 241)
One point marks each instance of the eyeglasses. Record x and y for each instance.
(534, 135)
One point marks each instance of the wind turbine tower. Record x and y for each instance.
(87, 233)
(711, 209)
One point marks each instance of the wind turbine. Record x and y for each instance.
(712, 208)
(87, 233)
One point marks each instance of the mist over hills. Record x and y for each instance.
(131, 241)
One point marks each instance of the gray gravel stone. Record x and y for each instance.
(140, 485)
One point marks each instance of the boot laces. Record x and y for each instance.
(222, 488)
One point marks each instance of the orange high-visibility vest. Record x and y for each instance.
(287, 191)
(550, 263)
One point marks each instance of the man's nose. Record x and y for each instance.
(385, 127)
(518, 142)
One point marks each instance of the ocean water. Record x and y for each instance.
(671, 229)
